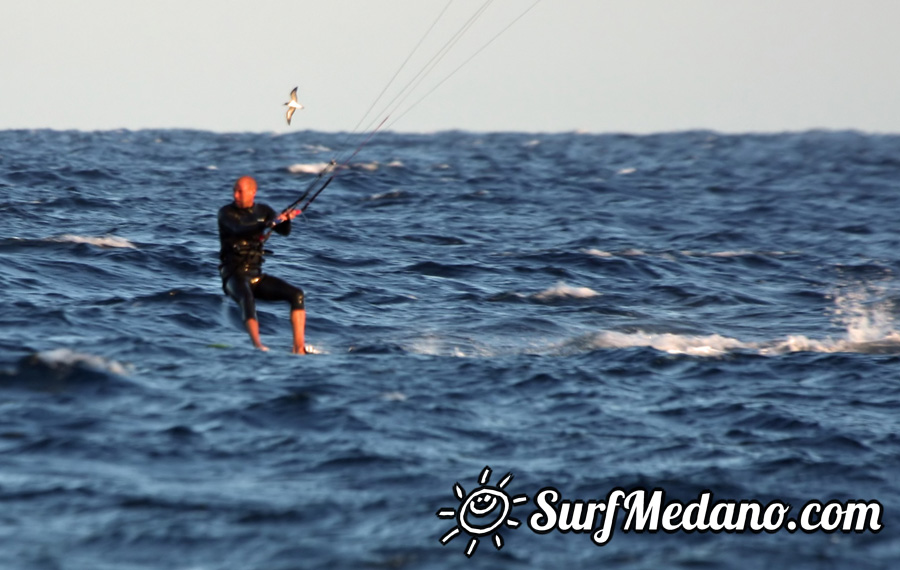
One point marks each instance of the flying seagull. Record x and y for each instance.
(292, 105)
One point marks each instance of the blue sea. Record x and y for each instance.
(688, 311)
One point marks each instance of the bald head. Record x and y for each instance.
(244, 192)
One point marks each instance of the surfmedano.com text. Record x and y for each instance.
(649, 512)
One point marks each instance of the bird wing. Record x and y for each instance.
(290, 113)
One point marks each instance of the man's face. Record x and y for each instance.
(244, 193)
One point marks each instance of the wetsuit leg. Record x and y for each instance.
(238, 288)
(274, 289)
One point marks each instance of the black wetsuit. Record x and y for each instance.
(241, 257)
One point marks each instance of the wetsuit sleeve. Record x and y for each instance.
(284, 228)
(230, 222)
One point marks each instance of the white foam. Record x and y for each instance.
(307, 168)
(316, 148)
(597, 252)
(394, 396)
(709, 345)
(389, 194)
(431, 345)
(865, 314)
(800, 343)
(435, 344)
(734, 253)
(631, 252)
(367, 166)
(61, 357)
(738, 253)
(104, 241)
(563, 291)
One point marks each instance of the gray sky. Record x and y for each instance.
(594, 65)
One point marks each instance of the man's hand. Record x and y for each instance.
(285, 216)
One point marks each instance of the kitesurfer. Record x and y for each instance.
(243, 227)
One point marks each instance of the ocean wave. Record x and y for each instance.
(716, 345)
(307, 168)
(735, 253)
(563, 291)
(799, 343)
(65, 358)
(597, 252)
(389, 195)
(632, 252)
(62, 369)
(708, 345)
(435, 344)
(102, 241)
(864, 312)
(366, 166)
(448, 270)
(504, 306)
(629, 252)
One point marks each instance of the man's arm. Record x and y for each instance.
(283, 221)
(283, 227)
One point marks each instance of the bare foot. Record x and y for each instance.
(262, 347)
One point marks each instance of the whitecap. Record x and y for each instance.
(65, 357)
(738, 253)
(316, 148)
(431, 344)
(307, 168)
(693, 345)
(597, 252)
(563, 291)
(866, 314)
(394, 396)
(104, 241)
(387, 195)
(732, 253)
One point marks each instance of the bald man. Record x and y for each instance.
(242, 226)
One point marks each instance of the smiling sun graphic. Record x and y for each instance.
(482, 511)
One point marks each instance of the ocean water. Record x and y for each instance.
(688, 311)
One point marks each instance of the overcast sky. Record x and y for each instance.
(593, 65)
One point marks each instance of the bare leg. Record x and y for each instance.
(298, 323)
(253, 329)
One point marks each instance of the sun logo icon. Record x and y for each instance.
(482, 511)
